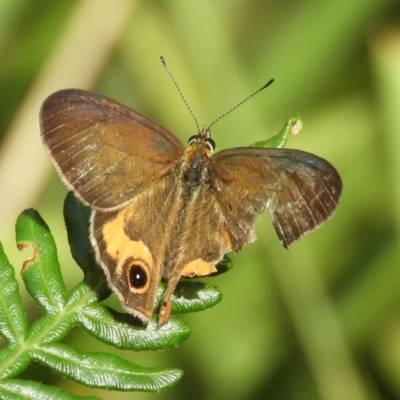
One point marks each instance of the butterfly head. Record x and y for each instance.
(203, 141)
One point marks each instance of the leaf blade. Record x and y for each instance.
(13, 320)
(41, 273)
(292, 127)
(112, 328)
(18, 389)
(77, 221)
(103, 370)
(192, 296)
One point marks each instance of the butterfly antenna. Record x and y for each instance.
(164, 63)
(242, 102)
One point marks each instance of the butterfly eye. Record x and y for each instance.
(138, 278)
(192, 139)
(210, 143)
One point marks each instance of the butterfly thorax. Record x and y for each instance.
(193, 167)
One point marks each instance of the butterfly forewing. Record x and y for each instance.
(96, 143)
(298, 189)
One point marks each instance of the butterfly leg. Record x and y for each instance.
(165, 308)
(164, 314)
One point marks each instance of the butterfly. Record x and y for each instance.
(162, 211)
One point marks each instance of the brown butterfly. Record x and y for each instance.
(163, 211)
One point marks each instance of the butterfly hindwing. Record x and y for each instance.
(130, 245)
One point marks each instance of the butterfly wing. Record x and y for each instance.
(298, 189)
(130, 245)
(122, 165)
(99, 146)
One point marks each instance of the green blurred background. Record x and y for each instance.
(320, 321)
